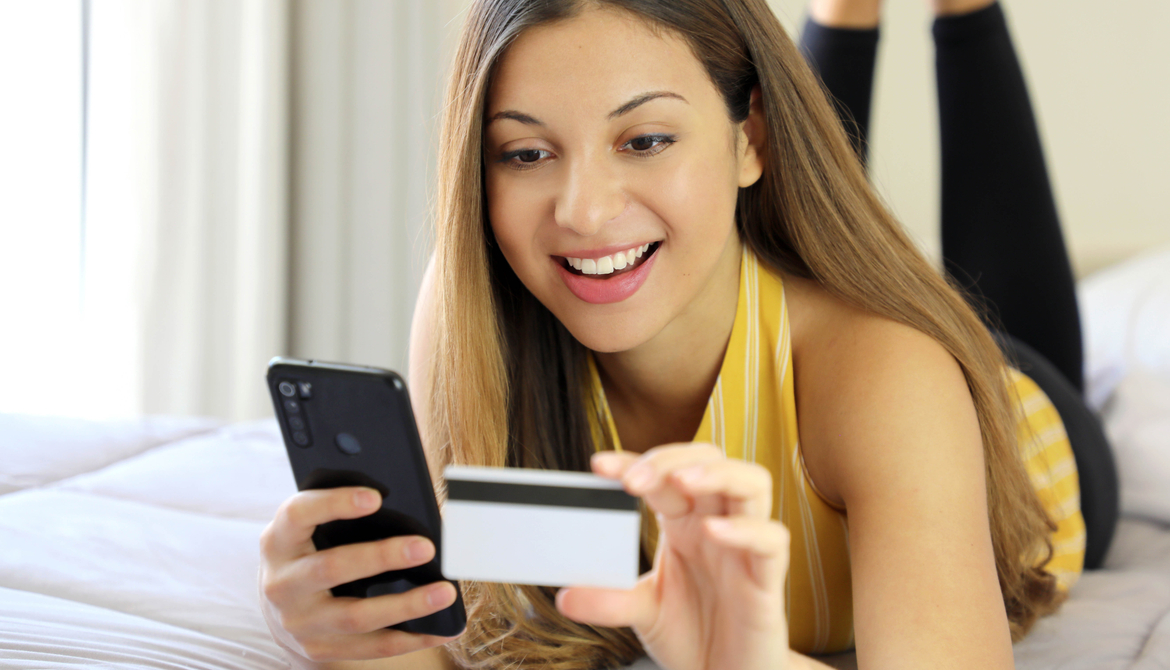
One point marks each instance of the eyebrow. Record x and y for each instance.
(626, 108)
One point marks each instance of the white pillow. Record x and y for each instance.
(1137, 420)
(1125, 317)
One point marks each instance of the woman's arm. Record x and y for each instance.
(889, 427)
(420, 372)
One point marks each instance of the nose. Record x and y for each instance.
(591, 196)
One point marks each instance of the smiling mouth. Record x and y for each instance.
(612, 265)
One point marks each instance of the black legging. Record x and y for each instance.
(1001, 236)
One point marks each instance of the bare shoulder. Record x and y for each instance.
(858, 375)
(421, 359)
(888, 430)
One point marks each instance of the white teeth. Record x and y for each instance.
(607, 264)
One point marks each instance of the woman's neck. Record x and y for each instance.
(658, 391)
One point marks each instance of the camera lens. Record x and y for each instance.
(296, 423)
(287, 389)
(292, 406)
(301, 438)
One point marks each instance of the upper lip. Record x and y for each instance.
(602, 252)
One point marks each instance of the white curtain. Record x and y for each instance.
(258, 186)
(367, 77)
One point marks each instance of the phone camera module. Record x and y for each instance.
(287, 389)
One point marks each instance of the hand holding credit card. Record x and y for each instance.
(540, 527)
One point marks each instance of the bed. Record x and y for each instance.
(133, 544)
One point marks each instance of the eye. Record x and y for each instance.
(524, 159)
(648, 145)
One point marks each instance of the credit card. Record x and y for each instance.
(540, 527)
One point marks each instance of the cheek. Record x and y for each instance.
(696, 199)
(515, 215)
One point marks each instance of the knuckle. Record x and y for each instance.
(390, 645)
(273, 589)
(267, 540)
(352, 620)
(317, 651)
(292, 511)
(324, 567)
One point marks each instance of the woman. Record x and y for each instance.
(656, 256)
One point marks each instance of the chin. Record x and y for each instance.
(610, 335)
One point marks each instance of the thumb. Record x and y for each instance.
(612, 608)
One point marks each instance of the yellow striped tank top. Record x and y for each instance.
(751, 415)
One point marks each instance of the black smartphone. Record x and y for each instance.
(348, 425)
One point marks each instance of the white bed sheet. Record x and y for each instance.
(149, 561)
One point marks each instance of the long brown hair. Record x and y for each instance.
(510, 380)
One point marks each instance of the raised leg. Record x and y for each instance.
(839, 41)
(1001, 234)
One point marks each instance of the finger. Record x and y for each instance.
(291, 531)
(762, 537)
(748, 486)
(354, 616)
(609, 607)
(656, 464)
(379, 644)
(612, 464)
(765, 542)
(340, 565)
(651, 479)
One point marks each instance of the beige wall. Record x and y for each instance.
(1099, 74)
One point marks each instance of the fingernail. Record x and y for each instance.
(365, 499)
(640, 476)
(690, 475)
(417, 550)
(439, 595)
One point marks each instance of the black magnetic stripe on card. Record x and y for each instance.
(539, 494)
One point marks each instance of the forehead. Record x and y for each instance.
(594, 61)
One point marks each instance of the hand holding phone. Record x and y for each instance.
(335, 572)
(296, 578)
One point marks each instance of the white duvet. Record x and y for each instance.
(134, 544)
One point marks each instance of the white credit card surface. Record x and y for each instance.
(541, 527)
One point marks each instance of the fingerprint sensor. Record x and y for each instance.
(348, 444)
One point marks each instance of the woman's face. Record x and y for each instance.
(612, 170)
